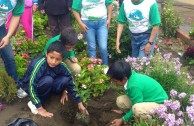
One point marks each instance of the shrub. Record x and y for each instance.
(21, 64)
(191, 33)
(170, 20)
(7, 88)
(92, 81)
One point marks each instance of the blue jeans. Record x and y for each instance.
(8, 57)
(138, 42)
(97, 29)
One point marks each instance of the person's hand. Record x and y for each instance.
(64, 97)
(74, 60)
(84, 27)
(42, 11)
(82, 108)
(34, 7)
(4, 42)
(108, 23)
(147, 49)
(117, 47)
(44, 113)
(116, 122)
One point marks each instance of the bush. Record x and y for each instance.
(7, 88)
(191, 33)
(92, 81)
(170, 20)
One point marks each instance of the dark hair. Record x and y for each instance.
(119, 70)
(68, 36)
(58, 47)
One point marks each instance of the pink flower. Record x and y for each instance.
(101, 81)
(90, 66)
(93, 60)
(25, 55)
(18, 43)
(99, 61)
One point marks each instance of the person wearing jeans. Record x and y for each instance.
(94, 25)
(17, 8)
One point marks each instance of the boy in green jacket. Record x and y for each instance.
(68, 37)
(142, 93)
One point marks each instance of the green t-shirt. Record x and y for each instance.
(141, 17)
(142, 88)
(68, 55)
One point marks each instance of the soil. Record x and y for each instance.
(64, 115)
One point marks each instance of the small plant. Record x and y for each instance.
(92, 81)
(21, 63)
(7, 88)
(191, 33)
(170, 20)
(82, 117)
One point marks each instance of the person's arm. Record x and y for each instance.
(110, 7)
(136, 96)
(121, 21)
(70, 88)
(76, 8)
(69, 4)
(16, 13)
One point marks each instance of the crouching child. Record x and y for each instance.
(142, 93)
(47, 75)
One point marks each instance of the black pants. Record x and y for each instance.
(58, 22)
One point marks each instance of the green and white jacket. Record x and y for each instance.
(91, 9)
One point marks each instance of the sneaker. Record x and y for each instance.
(21, 93)
(106, 70)
(33, 108)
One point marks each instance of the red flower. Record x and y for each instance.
(25, 55)
(90, 66)
(93, 60)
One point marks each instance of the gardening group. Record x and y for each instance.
(53, 71)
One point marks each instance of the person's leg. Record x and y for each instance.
(53, 24)
(144, 109)
(8, 57)
(91, 38)
(26, 19)
(102, 38)
(124, 103)
(60, 84)
(135, 46)
(64, 21)
(44, 87)
(73, 67)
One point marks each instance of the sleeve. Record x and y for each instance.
(136, 96)
(155, 15)
(69, 3)
(77, 4)
(70, 54)
(108, 2)
(122, 16)
(41, 4)
(35, 75)
(70, 87)
(19, 8)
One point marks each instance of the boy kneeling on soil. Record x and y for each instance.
(143, 93)
(47, 75)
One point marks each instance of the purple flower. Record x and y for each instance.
(173, 93)
(175, 105)
(179, 113)
(191, 99)
(179, 121)
(182, 95)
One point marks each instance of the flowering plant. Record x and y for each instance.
(92, 81)
(173, 113)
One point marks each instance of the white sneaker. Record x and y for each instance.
(106, 70)
(33, 108)
(21, 93)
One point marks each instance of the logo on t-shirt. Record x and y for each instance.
(136, 15)
(5, 5)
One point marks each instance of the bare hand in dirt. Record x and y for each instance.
(116, 122)
(84, 27)
(117, 47)
(74, 60)
(64, 97)
(44, 113)
(147, 49)
(82, 108)
(4, 42)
